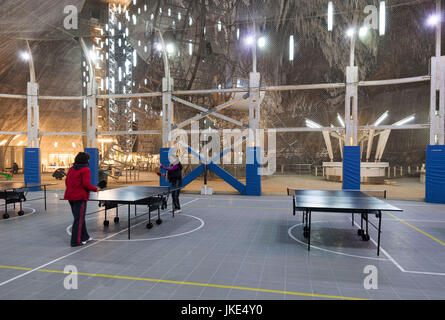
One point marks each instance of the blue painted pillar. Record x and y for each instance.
(94, 164)
(435, 174)
(163, 157)
(351, 168)
(32, 167)
(253, 171)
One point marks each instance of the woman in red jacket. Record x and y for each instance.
(78, 187)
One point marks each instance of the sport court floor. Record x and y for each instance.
(222, 247)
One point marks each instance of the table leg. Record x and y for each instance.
(367, 233)
(44, 195)
(309, 236)
(128, 222)
(159, 221)
(293, 207)
(6, 215)
(379, 231)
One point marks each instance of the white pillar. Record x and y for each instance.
(351, 120)
(370, 142)
(33, 115)
(340, 144)
(167, 111)
(327, 140)
(254, 103)
(437, 105)
(439, 30)
(91, 116)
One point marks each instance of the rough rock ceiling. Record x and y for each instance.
(56, 64)
(321, 56)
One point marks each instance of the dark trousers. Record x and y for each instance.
(79, 231)
(175, 194)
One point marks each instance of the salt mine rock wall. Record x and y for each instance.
(321, 57)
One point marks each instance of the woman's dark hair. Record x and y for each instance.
(82, 158)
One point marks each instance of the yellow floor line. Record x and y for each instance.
(15, 268)
(189, 283)
(417, 229)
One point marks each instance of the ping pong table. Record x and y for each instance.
(154, 197)
(15, 192)
(352, 202)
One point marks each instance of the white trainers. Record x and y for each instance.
(178, 211)
(89, 239)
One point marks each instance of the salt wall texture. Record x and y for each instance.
(321, 56)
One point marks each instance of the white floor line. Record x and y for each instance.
(74, 252)
(398, 265)
(289, 232)
(251, 200)
(426, 273)
(68, 228)
(17, 217)
(201, 225)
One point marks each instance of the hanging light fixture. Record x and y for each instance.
(340, 119)
(382, 18)
(330, 16)
(190, 48)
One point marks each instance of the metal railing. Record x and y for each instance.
(299, 169)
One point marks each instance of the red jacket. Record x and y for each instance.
(78, 183)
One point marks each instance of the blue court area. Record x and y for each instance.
(222, 247)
